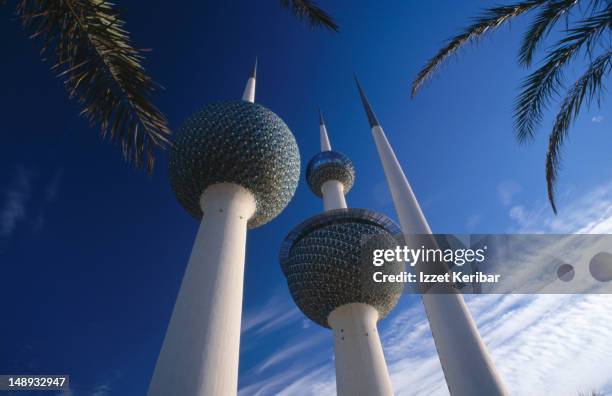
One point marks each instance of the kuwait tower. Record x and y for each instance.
(234, 165)
(468, 368)
(327, 261)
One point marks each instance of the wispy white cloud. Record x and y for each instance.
(101, 390)
(317, 382)
(472, 222)
(52, 189)
(276, 313)
(564, 349)
(597, 119)
(16, 197)
(297, 379)
(518, 214)
(301, 352)
(49, 195)
(290, 350)
(288, 315)
(107, 385)
(507, 190)
(24, 202)
(541, 344)
(583, 213)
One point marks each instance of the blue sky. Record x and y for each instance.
(92, 251)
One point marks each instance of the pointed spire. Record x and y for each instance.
(249, 90)
(325, 144)
(254, 73)
(366, 105)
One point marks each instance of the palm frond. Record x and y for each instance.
(102, 70)
(546, 81)
(541, 26)
(589, 86)
(491, 19)
(310, 11)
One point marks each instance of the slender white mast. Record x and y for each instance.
(467, 366)
(249, 90)
(332, 190)
(325, 144)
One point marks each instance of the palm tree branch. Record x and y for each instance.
(490, 20)
(543, 83)
(589, 86)
(102, 70)
(309, 10)
(541, 26)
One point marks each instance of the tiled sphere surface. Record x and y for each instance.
(235, 142)
(327, 265)
(330, 165)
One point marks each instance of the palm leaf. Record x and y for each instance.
(541, 26)
(492, 18)
(589, 86)
(101, 70)
(310, 11)
(546, 81)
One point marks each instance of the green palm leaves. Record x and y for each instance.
(308, 10)
(490, 20)
(586, 34)
(104, 73)
(101, 70)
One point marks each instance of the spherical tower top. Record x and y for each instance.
(327, 261)
(235, 142)
(330, 165)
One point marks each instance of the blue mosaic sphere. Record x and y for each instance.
(327, 261)
(235, 142)
(330, 165)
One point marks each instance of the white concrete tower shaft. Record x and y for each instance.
(199, 356)
(361, 369)
(200, 353)
(332, 190)
(467, 366)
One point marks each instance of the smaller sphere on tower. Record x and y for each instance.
(330, 165)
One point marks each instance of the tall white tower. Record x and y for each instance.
(234, 165)
(327, 270)
(467, 366)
